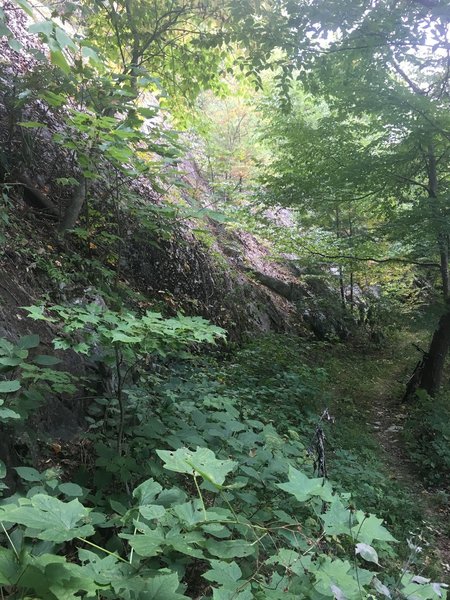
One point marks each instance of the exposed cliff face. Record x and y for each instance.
(204, 282)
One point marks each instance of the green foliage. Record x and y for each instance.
(427, 435)
(202, 478)
(364, 201)
(25, 378)
(226, 146)
(134, 58)
(230, 529)
(124, 343)
(362, 154)
(203, 481)
(138, 336)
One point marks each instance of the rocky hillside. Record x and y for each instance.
(134, 244)
(230, 279)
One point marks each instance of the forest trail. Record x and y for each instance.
(387, 418)
(372, 397)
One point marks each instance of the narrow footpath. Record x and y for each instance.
(371, 396)
(388, 418)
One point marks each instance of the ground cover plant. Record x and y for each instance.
(206, 495)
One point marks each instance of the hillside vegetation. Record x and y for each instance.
(224, 300)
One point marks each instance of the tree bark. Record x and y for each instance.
(35, 197)
(432, 368)
(442, 236)
(341, 271)
(434, 361)
(73, 210)
(352, 283)
(443, 251)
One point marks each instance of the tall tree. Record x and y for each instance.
(383, 70)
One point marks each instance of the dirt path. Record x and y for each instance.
(387, 420)
(373, 381)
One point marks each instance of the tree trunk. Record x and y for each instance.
(443, 251)
(35, 197)
(442, 236)
(341, 286)
(341, 271)
(434, 360)
(352, 283)
(352, 286)
(432, 367)
(76, 204)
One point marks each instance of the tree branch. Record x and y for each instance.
(414, 182)
(40, 198)
(370, 258)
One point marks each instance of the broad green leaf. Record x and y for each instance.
(334, 577)
(224, 573)
(37, 314)
(25, 6)
(163, 587)
(63, 39)
(103, 569)
(9, 361)
(291, 560)
(152, 511)
(10, 568)
(7, 413)
(7, 387)
(202, 461)
(45, 27)
(418, 587)
(230, 548)
(55, 100)
(120, 336)
(190, 513)
(70, 489)
(148, 113)
(381, 588)
(147, 491)
(88, 52)
(45, 360)
(370, 528)
(49, 518)
(28, 474)
(146, 545)
(119, 508)
(2, 469)
(58, 59)
(4, 29)
(54, 578)
(367, 552)
(337, 592)
(15, 45)
(5, 346)
(338, 519)
(185, 542)
(217, 530)
(304, 488)
(29, 341)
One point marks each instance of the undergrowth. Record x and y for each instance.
(202, 477)
(276, 377)
(427, 435)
